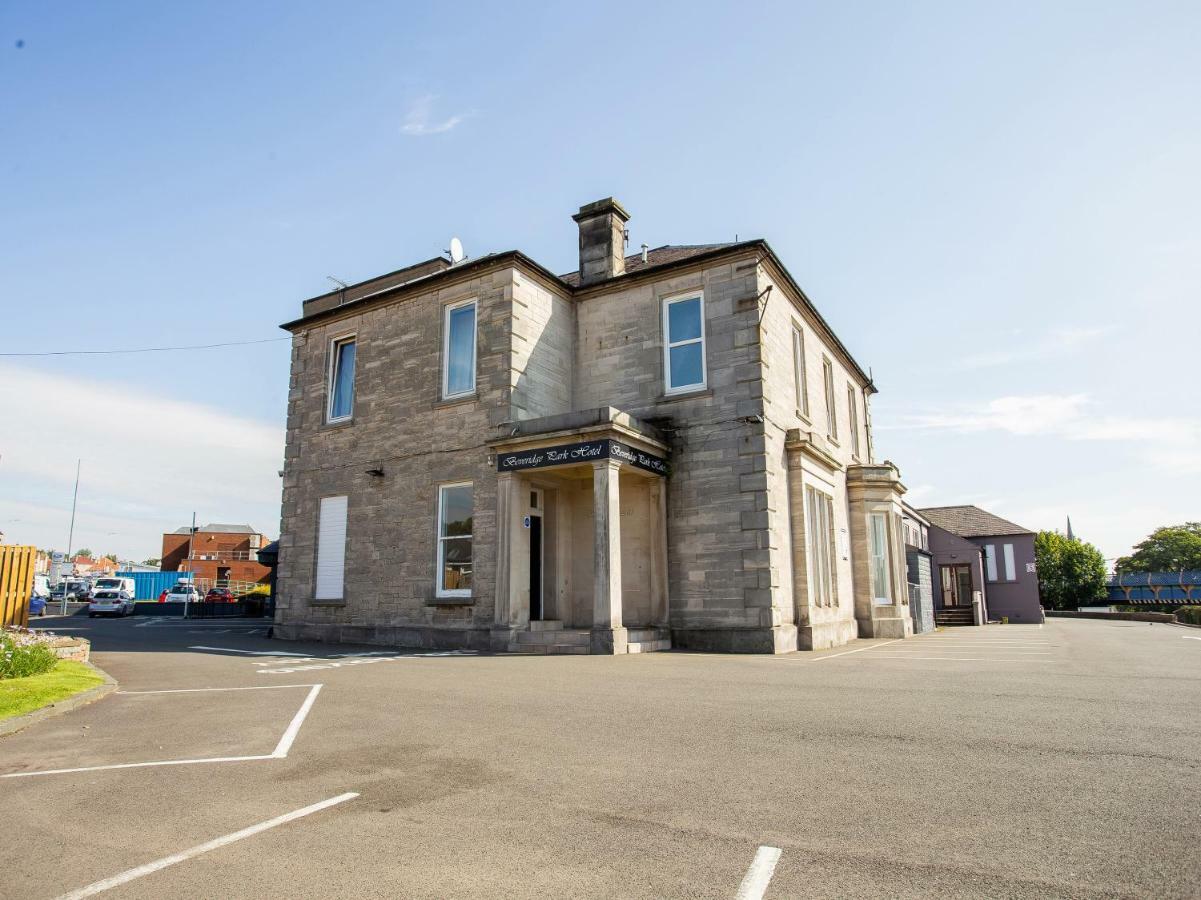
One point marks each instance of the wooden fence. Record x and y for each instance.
(16, 583)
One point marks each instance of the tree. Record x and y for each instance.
(1070, 571)
(85, 552)
(1168, 549)
(151, 562)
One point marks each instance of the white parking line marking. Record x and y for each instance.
(285, 743)
(763, 866)
(961, 658)
(130, 874)
(280, 751)
(1189, 637)
(262, 687)
(856, 650)
(251, 652)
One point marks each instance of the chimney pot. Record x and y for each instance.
(602, 240)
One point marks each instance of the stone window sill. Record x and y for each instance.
(455, 401)
(450, 601)
(689, 395)
(341, 423)
(327, 603)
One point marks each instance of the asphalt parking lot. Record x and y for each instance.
(1009, 761)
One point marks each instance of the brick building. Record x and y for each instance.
(219, 553)
(666, 449)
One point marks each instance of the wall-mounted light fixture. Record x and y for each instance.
(375, 473)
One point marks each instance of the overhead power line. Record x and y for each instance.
(148, 349)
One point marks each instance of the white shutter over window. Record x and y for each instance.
(331, 549)
(1010, 570)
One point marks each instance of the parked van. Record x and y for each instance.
(122, 585)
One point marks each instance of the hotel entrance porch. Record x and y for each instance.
(582, 536)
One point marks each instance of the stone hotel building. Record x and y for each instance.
(667, 449)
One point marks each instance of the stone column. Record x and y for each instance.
(659, 592)
(608, 635)
(506, 612)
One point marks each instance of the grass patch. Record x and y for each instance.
(22, 695)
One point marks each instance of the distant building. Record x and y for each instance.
(919, 568)
(86, 565)
(985, 567)
(219, 552)
(1155, 587)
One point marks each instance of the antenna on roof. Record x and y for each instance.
(338, 281)
(455, 252)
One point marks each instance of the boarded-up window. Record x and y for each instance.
(331, 549)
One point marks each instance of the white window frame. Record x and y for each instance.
(990, 562)
(329, 553)
(800, 373)
(831, 399)
(1011, 572)
(668, 302)
(439, 591)
(854, 419)
(331, 373)
(475, 340)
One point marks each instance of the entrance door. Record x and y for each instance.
(535, 568)
(956, 585)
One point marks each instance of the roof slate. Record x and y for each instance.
(971, 521)
(660, 256)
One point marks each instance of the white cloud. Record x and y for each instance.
(1058, 342)
(1172, 444)
(148, 461)
(418, 122)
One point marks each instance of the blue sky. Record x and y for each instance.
(994, 206)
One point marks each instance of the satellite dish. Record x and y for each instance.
(456, 250)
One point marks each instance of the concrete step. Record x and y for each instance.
(561, 636)
(648, 646)
(549, 649)
(648, 634)
(546, 625)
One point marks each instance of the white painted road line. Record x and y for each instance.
(130, 874)
(1189, 637)
(754, 885)
(856, 650)
(252, 652)
(959, 658)
(285, 742)
(280, 751)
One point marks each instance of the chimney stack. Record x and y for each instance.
(602, 240)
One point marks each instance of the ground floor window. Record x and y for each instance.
(819, 511)
(881, 582)
(331, 549)
(454, 539)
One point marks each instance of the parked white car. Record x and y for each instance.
(183, 592)
(108, 602)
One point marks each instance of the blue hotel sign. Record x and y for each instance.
(585, 451)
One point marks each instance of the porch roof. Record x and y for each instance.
(583, 424)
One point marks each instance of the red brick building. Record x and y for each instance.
(219, 552)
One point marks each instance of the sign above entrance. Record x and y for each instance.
(585, 451)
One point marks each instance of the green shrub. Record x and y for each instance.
(21, 661)
(1190, 614)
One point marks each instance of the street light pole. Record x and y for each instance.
(71, 533)
(191, 551)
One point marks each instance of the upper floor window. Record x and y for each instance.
(800, 377)
(831, 413)
(684, 344)
(853, 406)
(458, 350)
(341, 379)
